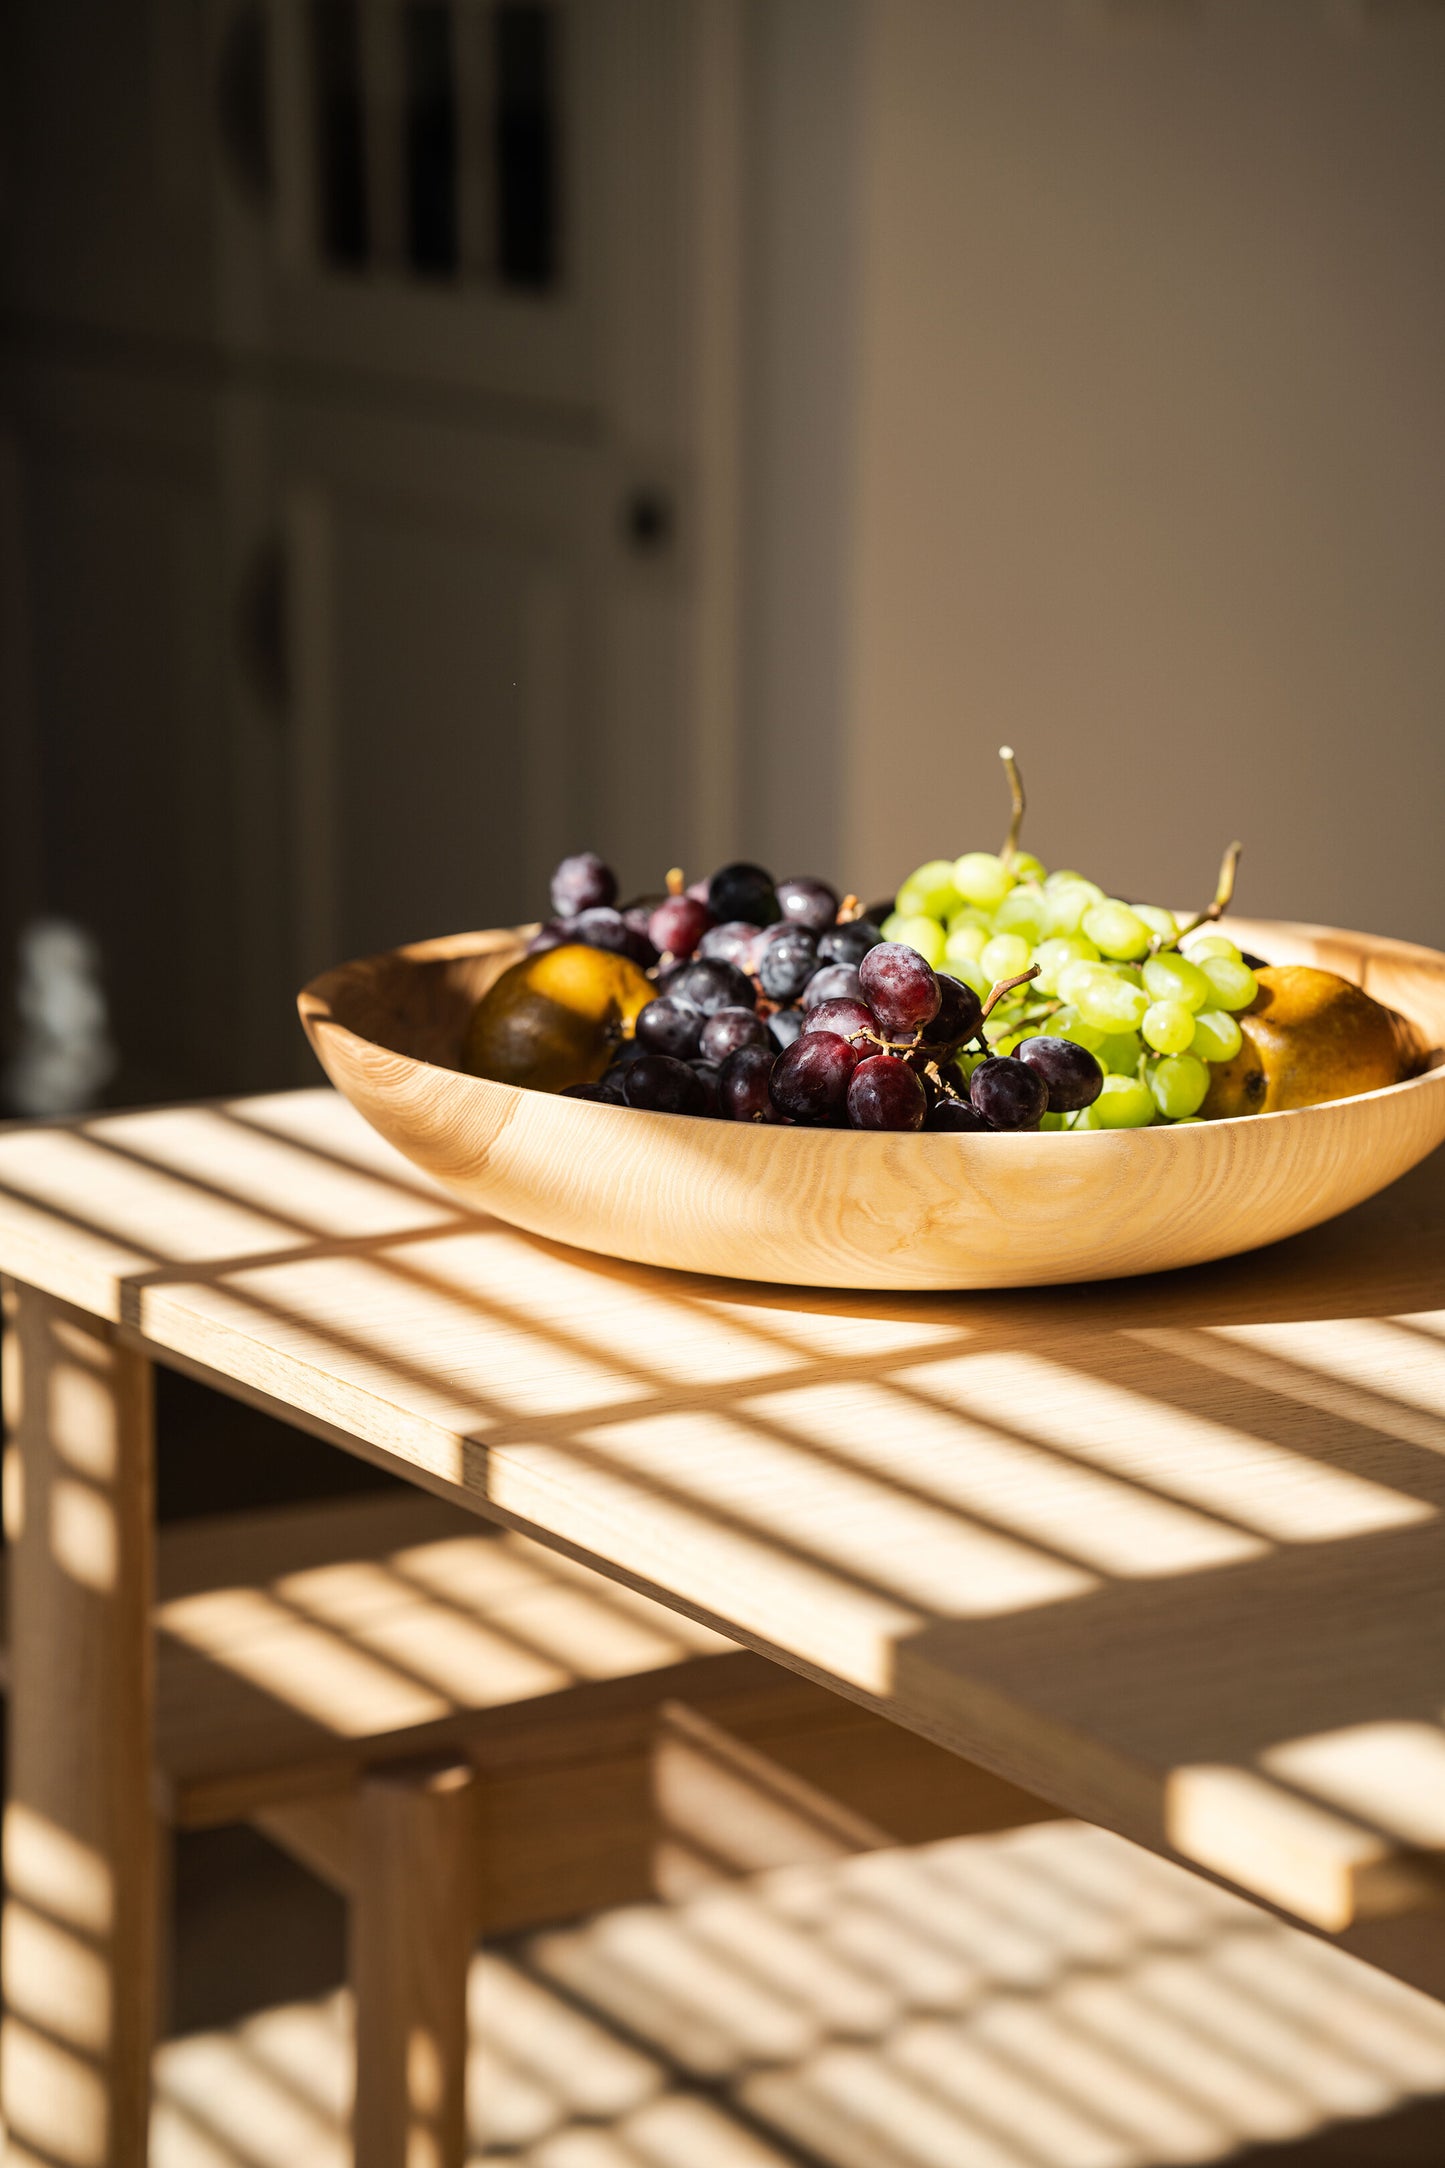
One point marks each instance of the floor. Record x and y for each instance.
(1050, 1998)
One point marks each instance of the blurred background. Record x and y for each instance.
(435, 434)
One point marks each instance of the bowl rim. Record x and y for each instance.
(313, 1004)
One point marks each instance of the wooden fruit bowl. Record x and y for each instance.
(850, 1208)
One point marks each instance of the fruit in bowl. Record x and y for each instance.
(994, 996)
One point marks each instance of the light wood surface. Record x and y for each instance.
(828, 1208)
(411, 1945)
(80, 1848)
(1167, 1552)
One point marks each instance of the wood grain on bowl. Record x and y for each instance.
(848, 1208)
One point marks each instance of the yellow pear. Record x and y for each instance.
(554, 1019)
(1310, 1036)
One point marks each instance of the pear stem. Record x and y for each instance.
(675, 881)
(1016, 788)
(1223, 897)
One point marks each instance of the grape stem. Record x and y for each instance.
(996, 994)
(1006, 986)
(1223, 897)
(849, 909)
(1016, 788)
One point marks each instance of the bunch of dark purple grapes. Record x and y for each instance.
(778, 1002)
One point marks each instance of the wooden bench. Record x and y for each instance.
(467, 1733)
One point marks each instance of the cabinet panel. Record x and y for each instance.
(128, 824)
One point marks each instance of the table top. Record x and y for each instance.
(1169, 1551)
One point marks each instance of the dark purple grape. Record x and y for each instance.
(711, 985)
(669, 1026)
(581, 882)
(848, 944)
(899, 987)
(728, 1029)
(730, 944)
(625, 1056)
(1008, 1093)
(603, 928)
(810, 1080)
(1070, 1073)
(599, 1092)
(637, 917)
(786, 965)
(886, 1094)
(667, 975)
(663, 1086)
(951, 1112)
(743, 891)
(552, 933)
(677, 925)
(844, 1017)
(707, 1074)
(786, 1025)
(960, 1012)
(835, 982)
(807, 902)
(743, 1086)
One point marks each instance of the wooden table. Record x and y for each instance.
(1168, 1552)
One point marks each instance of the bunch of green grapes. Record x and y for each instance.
(1153, 1004)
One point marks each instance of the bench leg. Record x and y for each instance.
(78, 1955)
(412, 1930)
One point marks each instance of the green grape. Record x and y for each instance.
(1006, 955)
(1123, 1103)
(969, 970)
(1178, 1084)
(929, 893)
(1212, 944)
(965, 944)
(1066, 1023)
(1168, 1027)
(1079, 971)
(890, 926)
(1157, 919)
(1023, 911)
(1130, 973)
(1172, 977)
(1113, 1004)
(1190, 1121)
(1117, 930)
(1217, 1037)
(1053, 1121)
(1120, 1053)
(1231, 982)
(1089, 1119)
(923, 934)
(1025, 867)
(969, 915)
(981, 877)
(1067, 904)
(1060, 949)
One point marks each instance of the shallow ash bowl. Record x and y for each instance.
(848, 1208)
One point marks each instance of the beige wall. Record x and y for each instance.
(1149, 464)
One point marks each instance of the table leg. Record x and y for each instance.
(78, 1953)
(412, 1927)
